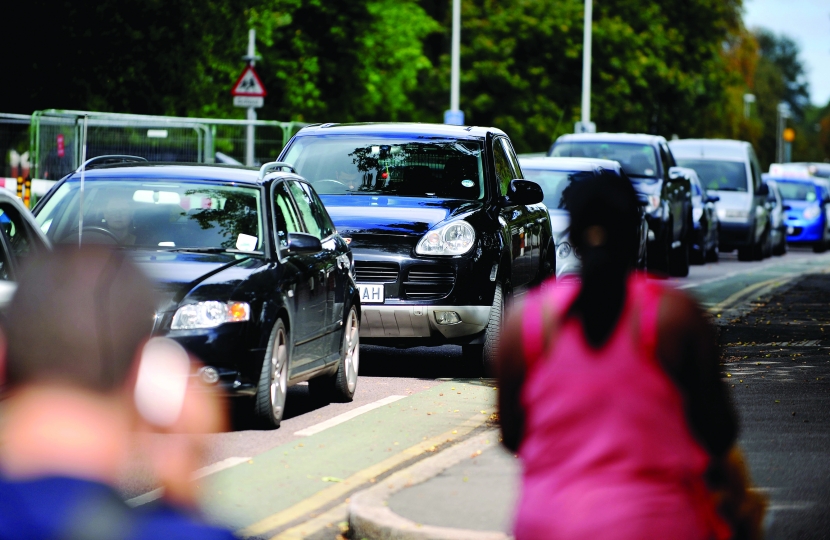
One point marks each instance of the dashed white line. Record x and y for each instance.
(346, 416)
(157, 493)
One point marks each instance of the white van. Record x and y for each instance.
(730, 169)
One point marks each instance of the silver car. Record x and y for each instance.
(554, 174)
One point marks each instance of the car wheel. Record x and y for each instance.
(341, 386)
(272, 389)
(679, 260)
(480, 358)
(781, 248)
(746, 253)
(713, 254)
(819, 247)
(658, 255)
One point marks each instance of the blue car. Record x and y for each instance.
(806, 207)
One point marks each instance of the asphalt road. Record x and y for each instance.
(407, 399)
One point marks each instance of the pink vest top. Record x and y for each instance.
(607, 451)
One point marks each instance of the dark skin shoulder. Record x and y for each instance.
(686, 347)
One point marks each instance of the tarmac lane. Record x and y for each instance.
(298, 481)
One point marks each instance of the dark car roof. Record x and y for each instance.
(568, 164)
(642, 138)
(400, 128)
(220, 173)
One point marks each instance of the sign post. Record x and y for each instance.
(249, 92)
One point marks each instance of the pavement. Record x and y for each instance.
(775, 339)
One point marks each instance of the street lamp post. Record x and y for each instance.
(783, 113)
(454, 115)
(585, 125)
(748, 100)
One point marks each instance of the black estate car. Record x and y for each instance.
(442, 225)
(646, 159)
(253, 278)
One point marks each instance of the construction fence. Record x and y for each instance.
(48, 145)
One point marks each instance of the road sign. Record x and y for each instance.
(248, 101)
(249, 84)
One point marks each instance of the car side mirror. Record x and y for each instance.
(786, 207)
(713, 198)
(303, 243)
(642, 200)
(676, 172)
(763, 189)
(524, 192)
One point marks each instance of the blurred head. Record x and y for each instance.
(78, 318)
(604, 223)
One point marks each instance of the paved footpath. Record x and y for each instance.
(777, 360)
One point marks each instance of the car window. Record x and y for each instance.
(5, 263)
(16, 233)
(719, 175)
(756, 174)
(374, 165)
(156, 212)
(504, 172)
(555, 185)
(664, 158)
(305, 208)
(511, 155)
(319, 211)
(637, 160)
(797, 191)
(285, 215)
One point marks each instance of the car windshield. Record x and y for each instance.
(554, 184)
(449, 169)
(168, 213)
(797, 191)
(638, 160)
(718, 175)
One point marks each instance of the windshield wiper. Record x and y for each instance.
(213, 250)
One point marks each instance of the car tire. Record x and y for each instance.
(781, 248)
(493, 332)
(272, 389)
(341, 386)
(713, 254)
(819, 247)
(746, 253)
(679, 260)
(658, 255)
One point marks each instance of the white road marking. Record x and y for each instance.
(157, 493)
(346, 416)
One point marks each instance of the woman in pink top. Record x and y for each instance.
(614, 402)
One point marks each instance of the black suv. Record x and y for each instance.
(442, 225)
(647, 160)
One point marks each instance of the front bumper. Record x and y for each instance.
(801, 231)
(418, 321)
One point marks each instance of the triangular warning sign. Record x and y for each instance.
(249, 84)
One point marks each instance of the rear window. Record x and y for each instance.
(797, 191)
(639, 160)
(718, 175)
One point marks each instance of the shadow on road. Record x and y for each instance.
(419, 363)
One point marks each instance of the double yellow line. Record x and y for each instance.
(755, 290)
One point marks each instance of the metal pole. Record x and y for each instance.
(455, 78)
(586, 63)
(249, 149)
(81, 195)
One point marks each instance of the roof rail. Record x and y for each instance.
(102, 160)
(274, 166)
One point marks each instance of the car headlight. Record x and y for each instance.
(564, 250)
(732, 214)
(210, 314)
(454, 238)
(653, 203)
(812, 212)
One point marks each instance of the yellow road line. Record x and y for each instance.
(333, 493)
(336, 515)
(734, 299)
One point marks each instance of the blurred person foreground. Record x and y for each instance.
(614, 401)
(83, 386)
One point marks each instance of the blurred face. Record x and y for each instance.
(119, 214)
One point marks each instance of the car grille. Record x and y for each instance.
(428, 282)
(376, 272)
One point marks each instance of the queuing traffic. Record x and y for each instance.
(402, 235)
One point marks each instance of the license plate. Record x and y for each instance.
(370, 294)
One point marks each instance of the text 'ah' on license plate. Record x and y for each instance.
(370, 294)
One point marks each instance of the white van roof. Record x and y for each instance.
(710, 149)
